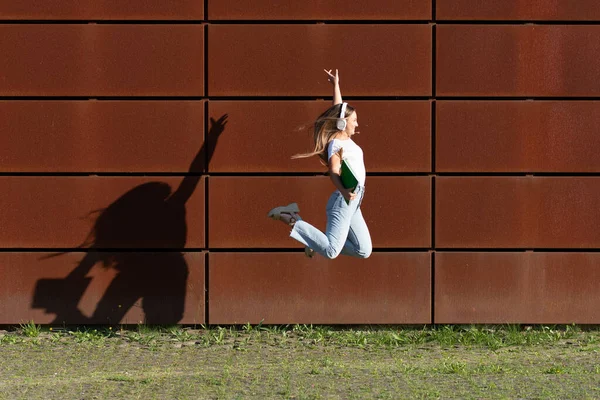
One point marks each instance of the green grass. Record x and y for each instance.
(30, 329)
(90, 335)
(365, 337)
(300, 362)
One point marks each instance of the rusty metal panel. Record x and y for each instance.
(101, 60)
(520, 136)
(261, 136)
(101, 10)
(568, 212)
(538, 288)
(518, 60)
(102, 288)
(517, 212)
(101, 136)
(319, 10)
(287, 288)
(486, 212)
(396, 209)
(287, 60)
(531, 10)
(101, 212)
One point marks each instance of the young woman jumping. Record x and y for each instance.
(346, 232)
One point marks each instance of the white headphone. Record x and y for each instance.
(340, 123)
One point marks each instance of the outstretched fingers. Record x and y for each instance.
(332, 78)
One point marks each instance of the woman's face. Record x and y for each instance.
(351, 124)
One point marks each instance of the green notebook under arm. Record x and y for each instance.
(348, 177)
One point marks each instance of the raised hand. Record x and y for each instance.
(334, 79)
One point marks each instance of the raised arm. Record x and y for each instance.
(188, 184)
(335, 80)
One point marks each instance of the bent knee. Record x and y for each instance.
(365, 250)
(332, 253)
(366, 253)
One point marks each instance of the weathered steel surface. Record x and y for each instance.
(396, 209)
(532, 10)
(261, 136)
(540, 288)
(519, 136)
(100, 136)
(288, 60)
(101, 212)
(287, 288)
(101, 60)
(517, 212)
(102, 288)
(319, 10)
(518, 60)
(101, 10)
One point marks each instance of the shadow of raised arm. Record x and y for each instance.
(200, 163)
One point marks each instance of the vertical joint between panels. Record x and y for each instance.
(206, 288)
(433, 60)
(206, 179)
(205, 94)
(206, 214)
(433, 288)
(433, 136)
(433, 244)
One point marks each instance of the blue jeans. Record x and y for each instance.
(346, 231)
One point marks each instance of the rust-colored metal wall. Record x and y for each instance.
(142, 144)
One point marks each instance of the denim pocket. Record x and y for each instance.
(362, 196)
(334, 200)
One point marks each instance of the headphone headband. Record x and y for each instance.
(343, 112)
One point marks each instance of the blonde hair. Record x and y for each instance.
(325, 129)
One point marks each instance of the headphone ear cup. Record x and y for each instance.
(340, 123)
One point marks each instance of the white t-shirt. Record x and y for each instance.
(353, 155)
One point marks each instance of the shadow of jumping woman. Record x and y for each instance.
(149, 216)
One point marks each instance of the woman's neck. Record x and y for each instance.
(342, 136)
